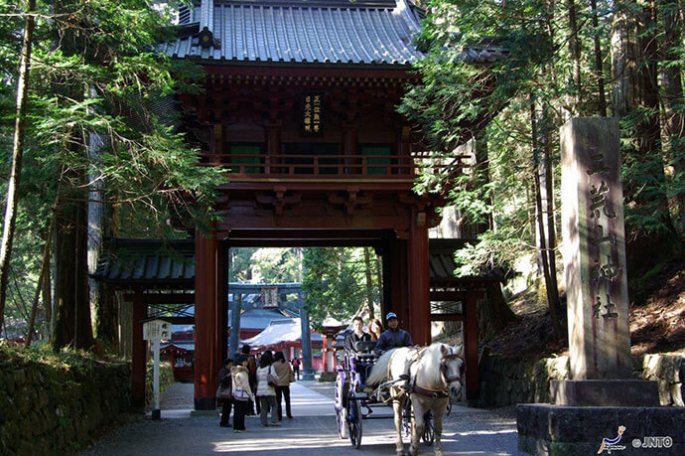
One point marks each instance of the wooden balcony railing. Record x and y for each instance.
(322, 166)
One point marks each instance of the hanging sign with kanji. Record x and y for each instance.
(270, 297)
(312, 111)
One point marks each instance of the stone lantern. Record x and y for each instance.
(329, 328)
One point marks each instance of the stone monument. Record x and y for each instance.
(600, 408)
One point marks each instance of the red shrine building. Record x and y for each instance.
(299, 109)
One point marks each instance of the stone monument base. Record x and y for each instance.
(545, 429)
(614, 393)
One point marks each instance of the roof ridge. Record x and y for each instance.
(315, 3)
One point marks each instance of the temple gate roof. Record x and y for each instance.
(361, 32)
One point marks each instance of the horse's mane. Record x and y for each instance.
(379, 372)
(429, 364)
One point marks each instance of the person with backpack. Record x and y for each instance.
(242, 393)
(252, 374)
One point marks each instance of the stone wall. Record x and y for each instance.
(52, 408)
(506, 381)
(669, 371)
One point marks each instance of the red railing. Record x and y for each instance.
(323, 166)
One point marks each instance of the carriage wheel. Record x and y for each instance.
(340, 408)
(429, 429)
(354, 421)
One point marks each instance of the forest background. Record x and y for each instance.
(85, 128)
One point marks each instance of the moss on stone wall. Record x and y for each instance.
(510, 381)
(52, 404)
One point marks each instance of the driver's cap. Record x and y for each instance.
(390, 315)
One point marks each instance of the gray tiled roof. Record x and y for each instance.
(335, 32)
(138, 261)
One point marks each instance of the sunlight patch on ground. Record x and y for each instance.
(503, 431)
(286, 443)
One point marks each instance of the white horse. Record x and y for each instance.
(435, 377)
(429, 375)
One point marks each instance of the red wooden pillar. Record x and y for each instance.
(208, 339)
(471, 343)
(324, 354)
(138, 351)
(419, 324)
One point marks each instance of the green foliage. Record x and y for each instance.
(491, 100)
(276, 264)
(66, 359)
(97, 76)
(334, 283)
(239, 269)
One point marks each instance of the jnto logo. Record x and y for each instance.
(610, 445)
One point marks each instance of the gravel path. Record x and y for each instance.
(312, 431)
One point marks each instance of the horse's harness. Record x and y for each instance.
(407, 384)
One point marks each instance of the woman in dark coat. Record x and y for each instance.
(225, 382)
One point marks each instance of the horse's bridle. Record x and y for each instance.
(443, 369)
(445, 378)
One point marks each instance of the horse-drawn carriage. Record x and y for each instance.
(416, 380)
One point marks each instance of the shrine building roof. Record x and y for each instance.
(129, 263)
(323, 32)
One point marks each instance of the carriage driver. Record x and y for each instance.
(393, 337)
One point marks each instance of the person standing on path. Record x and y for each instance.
(252, 374)
(296, 367)
(285, 375)
(266, 389)
(242, 392)
(226, 382)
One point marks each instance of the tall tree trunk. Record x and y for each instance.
(44, 270)
(674, 121)
(647, 197)
(622, 60)
(17, 155)
(100, 304)
(379, 278)
(574, 50)
(47, 298)
(73, 323)
(369, 282)
(599, 68)
(540, 138)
